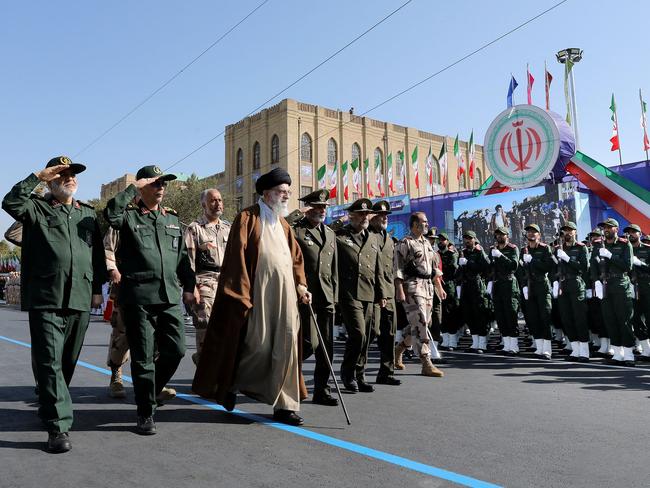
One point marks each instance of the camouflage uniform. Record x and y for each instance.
(206, 244)
(118, 346)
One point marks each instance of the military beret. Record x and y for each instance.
(360, 205)
(64, 160)
(275, 177)
(318, 197)
(502, 230)
(609, 223)
(381, 207)
(570, 226)
(633, 228)
(443, 235)
(469, 233)
(153, 171)
(535, 227)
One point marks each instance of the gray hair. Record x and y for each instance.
(206, 192)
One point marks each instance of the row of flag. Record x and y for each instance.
(530, 81)
(377, 188)
(10, 264)
(616, 143)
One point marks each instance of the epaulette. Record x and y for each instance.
(226, 222)
(510, 244)
(36, 196)
(86, 204)
(623, 240)
(170, 210)
(131, 206)
(578, 243)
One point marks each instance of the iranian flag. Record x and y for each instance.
(333, 182)
(346, 194)
(414, 162)
(644, 123)
(614, 139)
(472, 156)
(379, 177)
(459, 159)
(389, 163)
(356, 175)
(442, 159)
(321, 174)
(366, 171)
(529, 90)
(402, 174)
(429, 168)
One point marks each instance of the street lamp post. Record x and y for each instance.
(574, 55)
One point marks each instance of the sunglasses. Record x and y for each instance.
(159, 184)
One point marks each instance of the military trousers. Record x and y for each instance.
(505, 296)
(57, 337)
(435, 324)
(642, 312)
(148, 326)
(618, 310)
(573, 310)
(595, 318)
(386, 339)
(473, 305)
(451, 315)
(325, 321)
(118, 347)
(538, 310)
(358, 320)
(201, 311)
(418, 313)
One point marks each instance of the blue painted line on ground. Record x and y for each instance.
(308, 434)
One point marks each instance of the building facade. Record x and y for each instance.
(325, 148)
(109, 190)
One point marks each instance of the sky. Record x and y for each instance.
(71, 69)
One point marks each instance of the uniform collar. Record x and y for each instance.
(144, 210)
(54, 203)
(202, 221)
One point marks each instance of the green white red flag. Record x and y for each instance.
(333, 181)
(414, 161)
(366, 171)
(442, 159)
(644, 122)
(472, 156)
(379, 177)
(614, 139)
(429, 170)
(389, 162)
(321, 174)
(346, 194)
(459, 158)
(356, 175)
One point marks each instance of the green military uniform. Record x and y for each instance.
(358, 267)
(62, 267)
(504, 262)
(641, 281)
(451, 316)
(318, 246)
(572, 271)
(611, 265)
(594, 314)
(533, 276)
(152, 259)
(473, 265)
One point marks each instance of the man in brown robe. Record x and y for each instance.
(251, 343)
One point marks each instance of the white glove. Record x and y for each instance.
(462, 261)
(563, 256)
(637, 262)
(590, 294)
(496, 253)
(525, 292)
(527, 258)
(489, 287)
(458, 288)
(556, 289)
(604, 253)
(598, 289)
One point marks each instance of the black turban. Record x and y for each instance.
(273, 178)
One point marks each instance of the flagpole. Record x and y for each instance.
(644, 124)
(546, 87)
(574, 108)
(618, 135)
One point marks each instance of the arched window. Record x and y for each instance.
(332, 152)
(240, 162)
(256, 155)
(356, 152)
(478, 178)
(305, 148)
(275, 149)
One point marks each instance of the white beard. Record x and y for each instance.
(280, 208)
(58, 190)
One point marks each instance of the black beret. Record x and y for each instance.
(275, 177)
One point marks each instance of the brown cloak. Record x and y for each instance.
(226, 331)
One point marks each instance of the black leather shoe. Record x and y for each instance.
(613, 362)
(643, 358)
(58, 442)
(324, 399)
(146, 425)
(582, 359)
(229, 401)
(350, 384)
(388, 380)
(288, 417)
(630, 364)
(365, 387)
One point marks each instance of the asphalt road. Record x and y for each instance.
(490, 421)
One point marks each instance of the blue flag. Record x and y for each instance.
(511, 89)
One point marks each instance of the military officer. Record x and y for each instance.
(597, 327)
(504, 288)
(206, 240)
(152, 259)
(537, 262)
(358, 266)
(416, 275)
(572, 271)
(451, 320)
(473, 265)
(385, 320)
(641, 281)
(318, 245)
(62, 274)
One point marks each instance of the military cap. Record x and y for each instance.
(443, 235)
(596, 232)
(535, 227)
(318, 197)
(633, 228)
(76, 168)
(360, 205)
(645, 238)
(275, 177)
(609, 223)
(502, 230)
(153, 171)
(431, 234)
(469, 233)
(381, 207)
(570, 226)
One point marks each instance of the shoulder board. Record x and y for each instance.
(170, 210)
(226, 223)
(542, 244)
(131, 206)
(623, 240)
(580, 244)
(86, 204)
(510, 244)
(407, 238)
(36, 196)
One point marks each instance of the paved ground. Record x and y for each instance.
(491, 421)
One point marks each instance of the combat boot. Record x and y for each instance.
(428, 369)
(116, 387)
(399, 351)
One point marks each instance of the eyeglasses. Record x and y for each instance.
(283, 192)
(159, 183)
